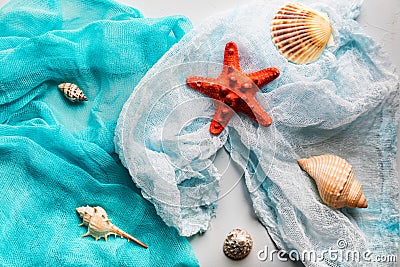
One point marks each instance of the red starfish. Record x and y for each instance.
(233, 91)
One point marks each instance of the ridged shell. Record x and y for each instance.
(96, 219)
(72, 92)
(300, 33)
(335, 181)
(238, 244)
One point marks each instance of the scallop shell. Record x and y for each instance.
(238, 244)
(300, 33)
(96, 219)
(72, 92)
(335, 181)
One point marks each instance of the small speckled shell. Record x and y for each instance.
(300, 33)
(72, 92)
(335, 181)
(238, 244)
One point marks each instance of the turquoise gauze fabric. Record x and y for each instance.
(344, 103)
(56, 155)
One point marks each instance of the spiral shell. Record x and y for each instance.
(238, 244)
(300, 33)
(72, 92)
(335, 181)
(96, 219)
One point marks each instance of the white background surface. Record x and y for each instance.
(380, 19)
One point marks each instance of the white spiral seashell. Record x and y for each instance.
(300, 33)
(96, 219)
(72, 92)
(335, 181)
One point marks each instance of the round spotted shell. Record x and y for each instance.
(238, 244)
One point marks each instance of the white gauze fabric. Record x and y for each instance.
(344, 103)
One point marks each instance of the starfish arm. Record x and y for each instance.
(221, 117)
(207, 86)
(263, 77)
(254, 111)
(231, 57)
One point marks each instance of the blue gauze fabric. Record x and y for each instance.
(57, 155)
(344, 103)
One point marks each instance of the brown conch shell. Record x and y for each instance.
(335, 181)
(96, 219)
(300, 33)
(238, 244)
(72, 92)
